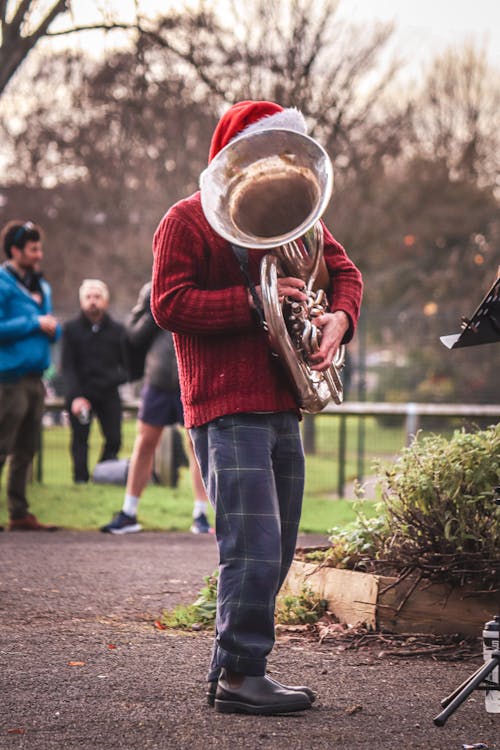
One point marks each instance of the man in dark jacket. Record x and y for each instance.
(27, 330)
(160, 406)
(93, 366)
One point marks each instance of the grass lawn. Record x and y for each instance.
(57, 500)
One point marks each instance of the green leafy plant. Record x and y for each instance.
(200, 614)
(305, 608)
(440, 508)
(182, 617)
(356, 545)
(437, 513)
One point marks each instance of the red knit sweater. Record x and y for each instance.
(225, 362)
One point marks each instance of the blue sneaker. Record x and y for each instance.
(122, 524)
(200, 525)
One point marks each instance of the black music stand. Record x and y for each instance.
(484, 325)
(482, 328)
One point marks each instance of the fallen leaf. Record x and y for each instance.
(111, 645)
(77, 663)
(159, 625)
(353, 710)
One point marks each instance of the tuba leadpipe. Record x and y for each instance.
(268, 190)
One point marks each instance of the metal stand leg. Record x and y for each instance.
(455, 699)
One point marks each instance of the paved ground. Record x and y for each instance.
(82, 666)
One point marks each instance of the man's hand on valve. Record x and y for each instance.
(333, 327)
(288, 286)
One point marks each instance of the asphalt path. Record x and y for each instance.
(83, 666)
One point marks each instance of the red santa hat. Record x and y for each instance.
(251, 116)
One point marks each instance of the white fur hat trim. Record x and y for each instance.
(289, 119)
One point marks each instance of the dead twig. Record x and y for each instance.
(417, 651)
(398, 580)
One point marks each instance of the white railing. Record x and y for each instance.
(413, 411)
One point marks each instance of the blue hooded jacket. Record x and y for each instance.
(24, 347)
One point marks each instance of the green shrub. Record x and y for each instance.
(200, 614)
(439, 494)
(356, 545)
(437, 514)
(305, 608)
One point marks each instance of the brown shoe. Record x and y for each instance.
(29, 522)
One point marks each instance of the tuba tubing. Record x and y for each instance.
(268, 190)
(313, 389)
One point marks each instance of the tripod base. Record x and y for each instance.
(453, 701)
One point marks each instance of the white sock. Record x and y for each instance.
(130, 505)
(200, 506)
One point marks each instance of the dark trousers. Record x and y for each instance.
(253, 469)
(21, 412)
(108, 411)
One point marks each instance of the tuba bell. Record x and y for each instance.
(267, 190)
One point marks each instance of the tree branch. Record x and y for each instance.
(190, 58)
(95, 27)
(19, 16)
(59, 7)
(3, 12)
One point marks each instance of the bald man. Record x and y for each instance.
(93, 366)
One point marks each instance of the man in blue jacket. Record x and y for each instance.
(27, 328)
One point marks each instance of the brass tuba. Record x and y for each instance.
(268, 190)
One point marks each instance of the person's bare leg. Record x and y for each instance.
(199, 491)
(139, 473)
(141, 462)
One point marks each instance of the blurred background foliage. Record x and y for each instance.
(97, 147)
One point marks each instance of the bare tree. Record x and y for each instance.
(293, 51)
(110, 145)
(296, 53)
(456, 114)
(25, 22)
(16, 43)
(146, 115)
(107, 149)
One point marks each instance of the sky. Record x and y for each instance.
(426, 26)
(423, 27)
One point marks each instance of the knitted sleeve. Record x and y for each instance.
(347, 284)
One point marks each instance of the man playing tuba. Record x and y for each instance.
(243, 415)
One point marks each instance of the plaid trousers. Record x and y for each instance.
(253, 468)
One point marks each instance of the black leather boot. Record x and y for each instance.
(258, 695)
(212, 689)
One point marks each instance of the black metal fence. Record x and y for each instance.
(346, 431)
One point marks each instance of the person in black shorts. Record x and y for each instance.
(160, 406)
